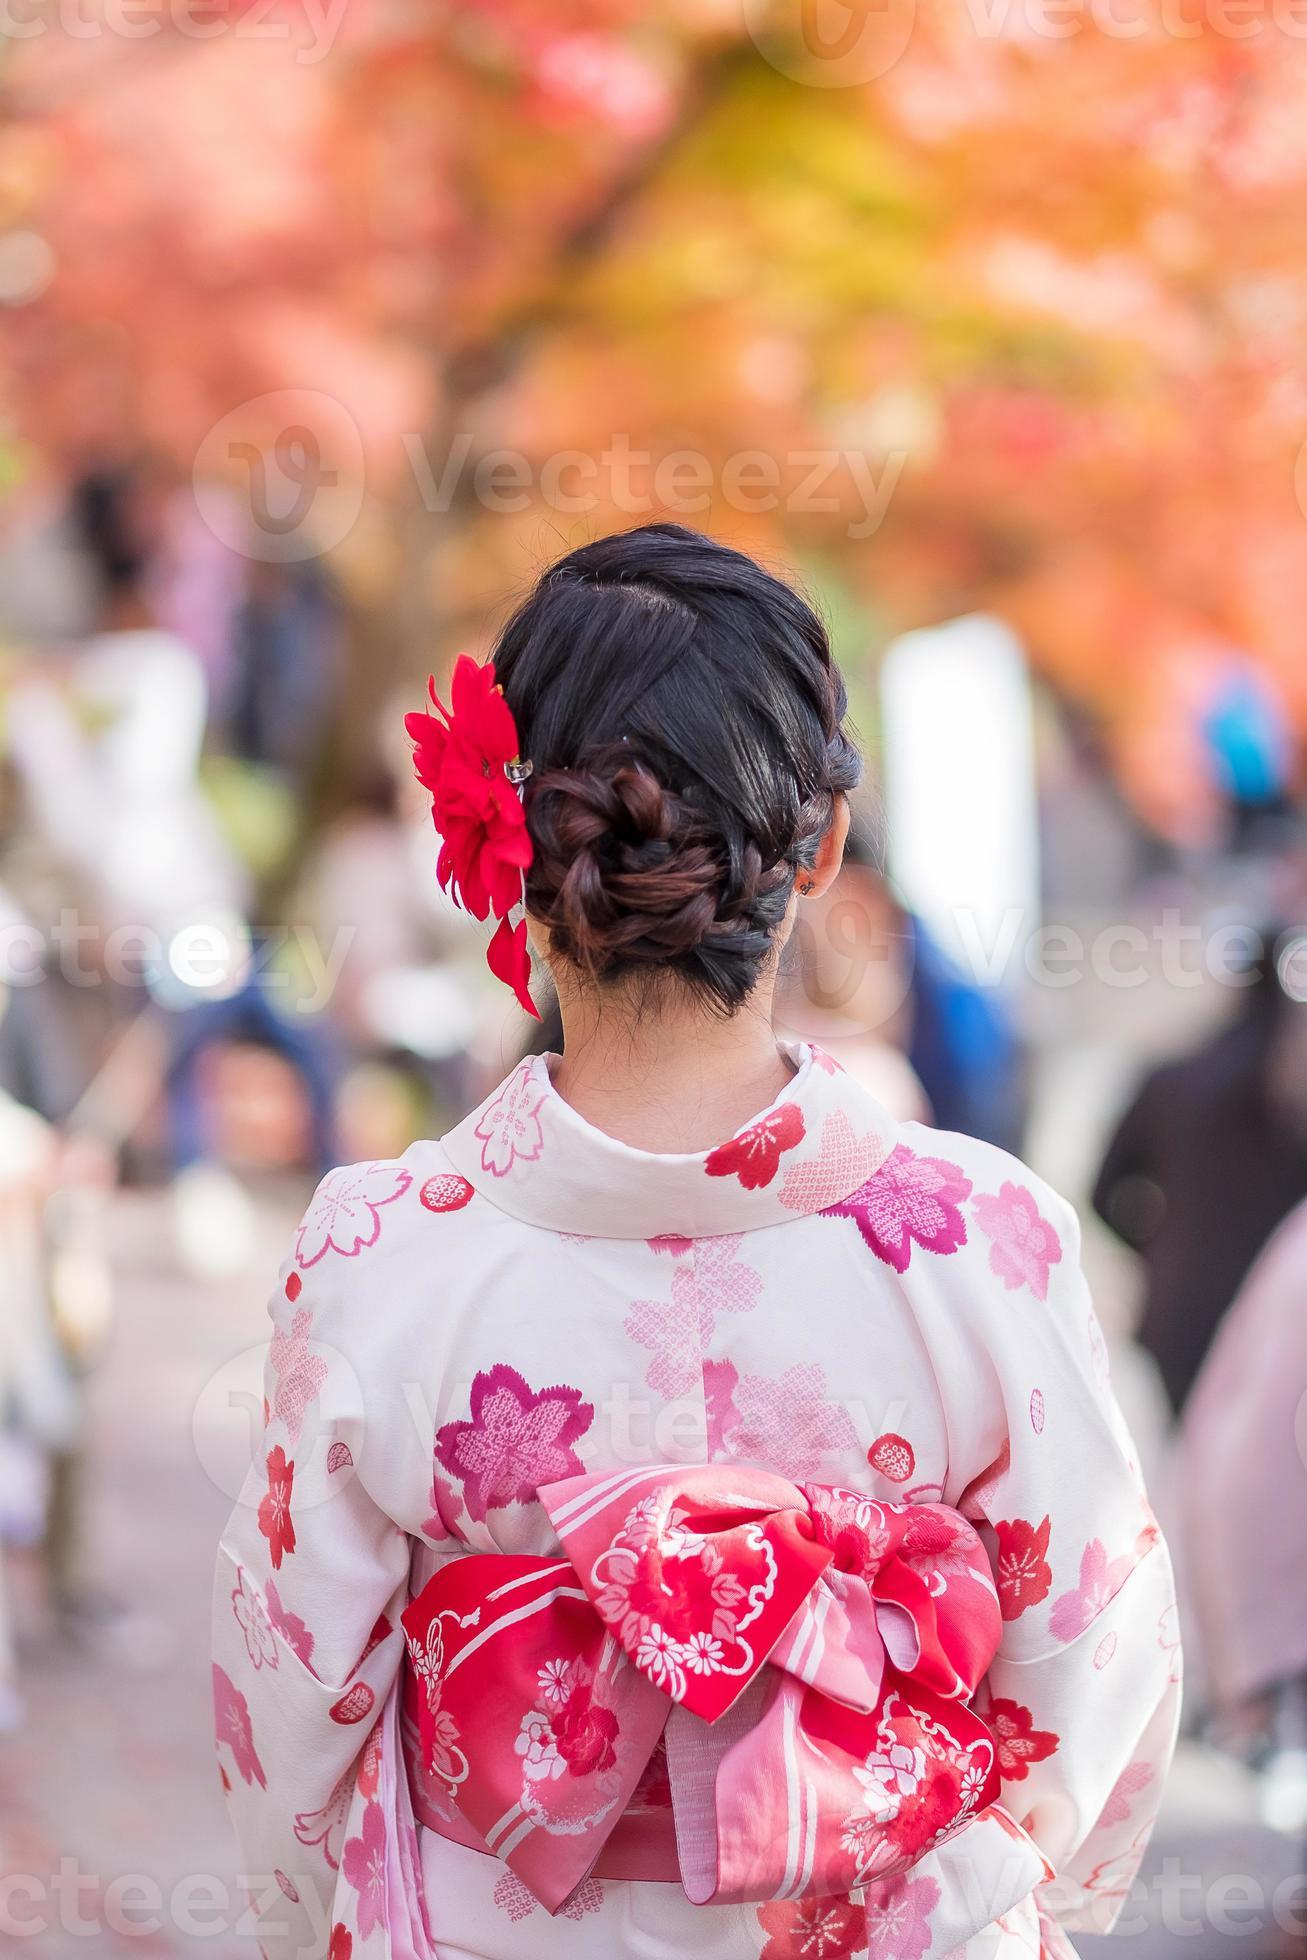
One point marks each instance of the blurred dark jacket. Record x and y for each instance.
(38, 1064)
(1202, 1169)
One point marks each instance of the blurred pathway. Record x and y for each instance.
(114, 1771)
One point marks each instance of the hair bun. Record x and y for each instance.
(625, 868)
(685, 722)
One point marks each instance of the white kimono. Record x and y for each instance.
(765, 1531)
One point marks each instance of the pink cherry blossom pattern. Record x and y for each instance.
(514, 1898)
(345, 1213)
(587, 1898)
(1133, 1778)
(252, 1618)
(1104, 1651)
(274, 1518)
(680, 1329)
(514, 1440)
(363, 1863)
(898, 1917)
(1023, 1245)
(369, 1770)
(754, 1153)
(444, 1505)
(909, 1200)
(300, 1375)
(981, 1497)
(1101, 1579)
(843, 1161)
(1024, 1574)
(938, 1547)
(326, 1827)
(812, 1929)
(231, 1714)
(1113, 1876)
(289, 1625)
(672, 1243)
(381, 1632)
(510, 1129)
(1037, 1410)
(720, 1380)
(1018, 1741)
(789, 1423)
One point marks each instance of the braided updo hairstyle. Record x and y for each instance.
(684, 721)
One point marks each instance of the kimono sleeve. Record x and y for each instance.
(311, 1579)
(1084, 1693)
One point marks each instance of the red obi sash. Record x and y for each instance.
(806, 1654)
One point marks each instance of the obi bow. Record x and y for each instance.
(805, 1654)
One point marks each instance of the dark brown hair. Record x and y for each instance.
(684, 721)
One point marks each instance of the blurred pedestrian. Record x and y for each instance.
(845, 981)
(56, 1171)
(108, 743)
(1241, 1493)
(1251, 752)
(1208, 1158)
(40, 1417)
(866, 977)
(287, 669)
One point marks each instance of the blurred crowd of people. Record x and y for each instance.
(208, 966)
(223, 953)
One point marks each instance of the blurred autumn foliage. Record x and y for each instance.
(1049, 284)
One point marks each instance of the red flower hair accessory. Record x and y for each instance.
(466, 758)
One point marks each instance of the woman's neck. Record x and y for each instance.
(672, 1079)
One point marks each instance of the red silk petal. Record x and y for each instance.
(509, 961)
(459, 756)
(479, 713)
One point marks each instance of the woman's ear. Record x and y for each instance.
(830, 853)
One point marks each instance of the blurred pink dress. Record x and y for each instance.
(1242, 1482)
(759, 1528)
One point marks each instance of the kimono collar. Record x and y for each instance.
(533, 1156)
